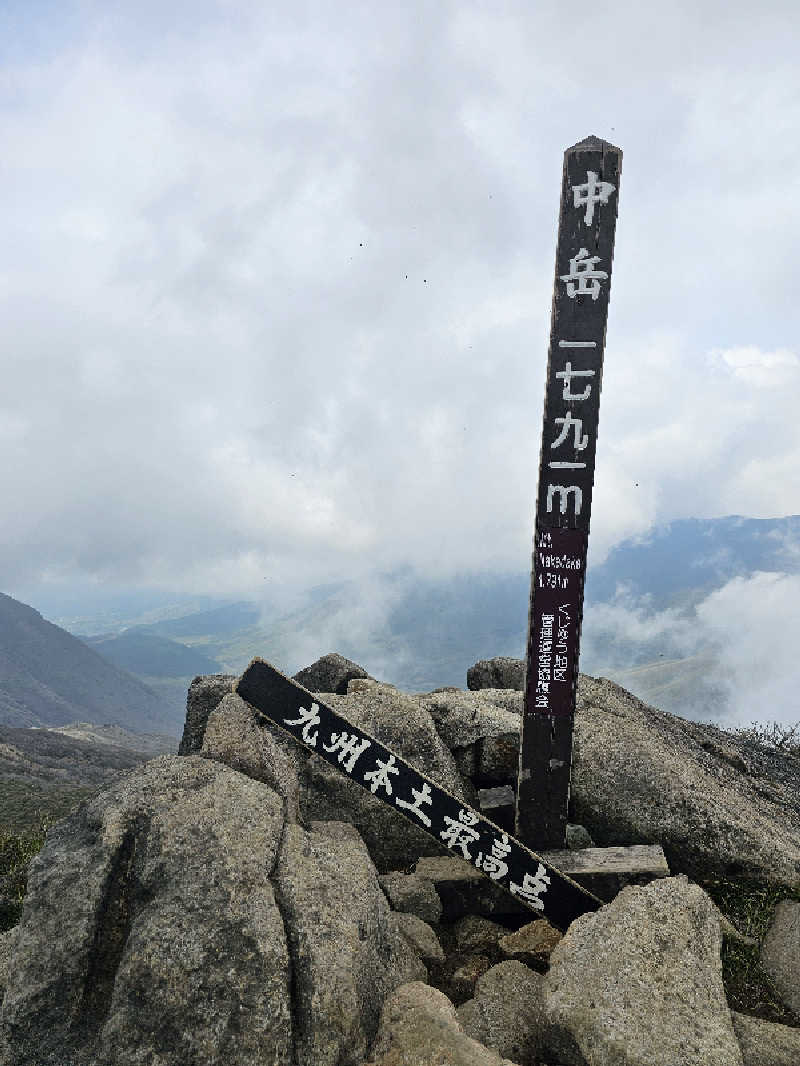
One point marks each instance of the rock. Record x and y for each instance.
(412, 894)
(420, 936)
(366, 684)
(8, 940)
(419, 1027)
(463, 718)
(176, 916)
(640, 981)
(464, 890)
(345, 955)
(506, 1012)
(780, 953)
(717, 803)
(150, 923)
(482, 731)
(500, 672)
(578, 838)
(225, 905)
(330, 673)
(532, 944)
(463, 978)
(205, 692)
(234, 737)
(477, 935)
(399, 722)
(766, 1043)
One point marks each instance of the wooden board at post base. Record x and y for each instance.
(281, 702)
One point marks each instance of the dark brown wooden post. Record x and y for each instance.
(587, 222)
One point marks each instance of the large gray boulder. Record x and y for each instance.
(481, 729)
(506, 1012)
(346, 952)
(500, 672)
(717, 803)
(766, 1043)
(233, 736)
(639, 982)
(205, 693)
(330, 673)
(780, 953)
(177, 917)
(150, 926)
(419, 1027)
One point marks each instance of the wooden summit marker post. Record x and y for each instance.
(587, 222)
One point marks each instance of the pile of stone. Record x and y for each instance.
(244, 903)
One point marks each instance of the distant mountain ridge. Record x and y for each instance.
(685, 560)
(48, 677)
(146, 653)
(417, 633)
(433, 629)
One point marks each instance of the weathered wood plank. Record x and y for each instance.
(605, 871)
(632, 859)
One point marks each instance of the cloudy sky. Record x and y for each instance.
(276, 281)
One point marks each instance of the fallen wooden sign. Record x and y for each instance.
(530, 879)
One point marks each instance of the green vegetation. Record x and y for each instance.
(749, 905)
(23, 804)
(15, 853)
(782, 738)
(27, 811)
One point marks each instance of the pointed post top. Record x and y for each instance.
(594, 144)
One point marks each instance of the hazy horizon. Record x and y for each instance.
(277, 302)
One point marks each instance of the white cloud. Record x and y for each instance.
(755, 625)
(739, 642)
(276, 293)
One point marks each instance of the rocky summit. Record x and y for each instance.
(243, 903)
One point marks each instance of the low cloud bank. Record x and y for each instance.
(731, 658)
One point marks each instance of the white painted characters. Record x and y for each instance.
(421, 795)
(349, 748)
(460, 834)
(564, 492)
(532, 888)
(590, 193)
(580, 440)
(307, 719)
(567, 374)
(569, 423)
(583, 279)
(494, 864)
(380, 776)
